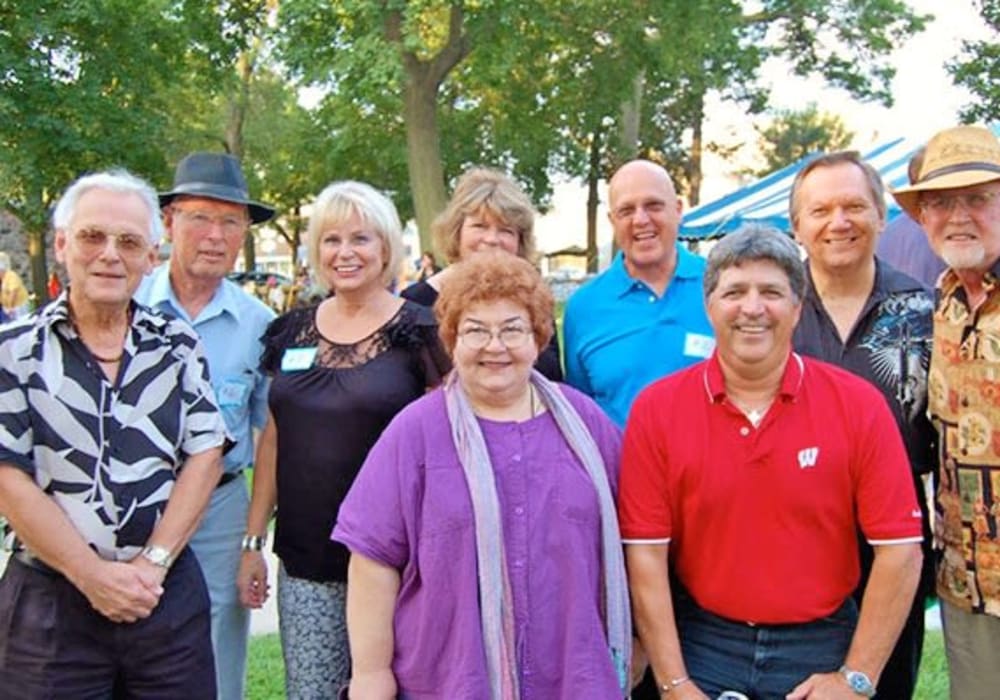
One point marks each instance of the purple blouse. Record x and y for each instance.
(410, 509)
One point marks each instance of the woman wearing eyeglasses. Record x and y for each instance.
(487, 211)
(341, 370)
(485, 557)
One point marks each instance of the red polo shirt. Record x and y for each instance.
(762, 522)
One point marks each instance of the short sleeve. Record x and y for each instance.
(644, 511)
(281, 333)
(16, 435)
(887, 505)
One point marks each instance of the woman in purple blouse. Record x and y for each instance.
(485, 555)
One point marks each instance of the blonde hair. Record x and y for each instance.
(485, 189)
(338, 202)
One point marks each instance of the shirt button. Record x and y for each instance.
(519, 511)
(516, 458)
(744, 431)
(518, 563)
(652, 299)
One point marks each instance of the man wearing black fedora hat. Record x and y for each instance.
(207, 214)
(956, 199)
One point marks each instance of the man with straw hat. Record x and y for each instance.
(956, 199)
(207, 215)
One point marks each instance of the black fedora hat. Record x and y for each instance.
(216, 176)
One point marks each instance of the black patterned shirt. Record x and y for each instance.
(890, 346)
(107, 452)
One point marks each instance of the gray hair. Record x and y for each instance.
(341, 200)
(753, 242)
(115, 181)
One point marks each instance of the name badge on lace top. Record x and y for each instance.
(297, 359)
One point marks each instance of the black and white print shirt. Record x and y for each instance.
(107, 452)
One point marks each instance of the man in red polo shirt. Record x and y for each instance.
(744, 481)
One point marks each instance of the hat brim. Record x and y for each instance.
(259, 212)
(909, 197)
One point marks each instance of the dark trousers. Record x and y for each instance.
(53, 644)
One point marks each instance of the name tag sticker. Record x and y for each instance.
(698, 345)
(297, 359)
(232, 392)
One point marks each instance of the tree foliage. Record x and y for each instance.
(978, 68)
(794, 134)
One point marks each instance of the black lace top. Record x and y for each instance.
(329, 415)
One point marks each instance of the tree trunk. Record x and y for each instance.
(36, 256)
(423, 150)
(694, 166)
(234, 140)
(593, 176)
(628, 147)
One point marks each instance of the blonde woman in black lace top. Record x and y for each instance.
(341, 370)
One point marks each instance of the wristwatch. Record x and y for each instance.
(859, 682)
(160, 556)
(253, 543)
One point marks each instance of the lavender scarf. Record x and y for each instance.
(495, 603)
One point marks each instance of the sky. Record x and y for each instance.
(925, 101)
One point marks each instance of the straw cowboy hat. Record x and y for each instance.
(215, 176)
(957, 157)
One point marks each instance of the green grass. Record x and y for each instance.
(266, 680)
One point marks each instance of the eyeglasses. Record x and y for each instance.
(201, 222)
(478, 337)
(973, 202)
(94, 240)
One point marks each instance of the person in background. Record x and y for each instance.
(207, 213)
(428, 266)
(487, 211)
(485, 555)
(54, 285)
(904, 245)
(110, 446)
(745, 479)
(956, 198)
(863, 315)
(643, 317)
(341, 370)
(13, 294)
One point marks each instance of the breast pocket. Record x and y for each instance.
(233, 395)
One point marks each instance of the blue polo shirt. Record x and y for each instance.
(619, 336)
(230, 328)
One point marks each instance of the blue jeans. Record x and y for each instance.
(761, 661)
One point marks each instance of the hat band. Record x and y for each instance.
(214, 188)
(961, 167)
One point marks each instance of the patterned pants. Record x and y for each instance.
(311, 619)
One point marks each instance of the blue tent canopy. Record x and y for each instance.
(766, 201)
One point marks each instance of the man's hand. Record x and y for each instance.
(252, 579)
(122, 591)
(823, 686)
(375, 685)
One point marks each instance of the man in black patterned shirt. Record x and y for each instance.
(864, 315)
(110, 445)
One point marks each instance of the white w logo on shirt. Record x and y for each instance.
(808, 457)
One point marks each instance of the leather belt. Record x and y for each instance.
(229, 476)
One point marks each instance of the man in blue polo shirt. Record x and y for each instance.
(207, 215)
(643, 317)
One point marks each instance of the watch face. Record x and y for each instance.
(859, 683)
